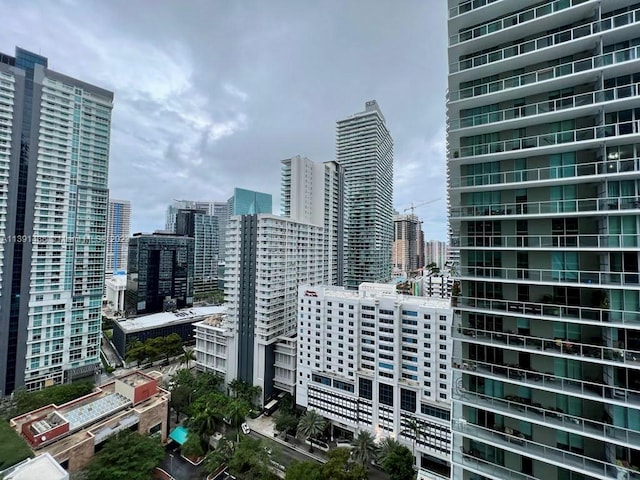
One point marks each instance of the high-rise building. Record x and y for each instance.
(315, 193)
(159, 273)
(117, 239)
(267, 258)
(360, 373)
(54, 159)
(365, 151)
(203, 228)
(249, 202)
(543, 139)
(405, 253)
(436, 252)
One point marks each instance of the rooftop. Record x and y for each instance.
(156, 320)
(43, 466)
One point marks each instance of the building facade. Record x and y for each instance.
(365, 151)
(160, 273)
(376, 361)
(406, 234)
(216, 347)
(54, 158)
(249, 202)
(117, 238)
(544, 175)
(436, 252)
(267, 258)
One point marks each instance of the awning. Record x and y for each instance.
(179, 435)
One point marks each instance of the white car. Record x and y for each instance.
(245, 428)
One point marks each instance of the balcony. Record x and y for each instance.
(547, 73)
(550, 382)
(548, 106)
(590, 206)
(537, 275)
(548, 174)
(552, 242)
(558, 347)
(473, 461)
(465, 7)
(555, 39)
(549, 416)
(506, 22)
(547, 454)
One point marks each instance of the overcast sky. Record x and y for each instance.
(213, 94)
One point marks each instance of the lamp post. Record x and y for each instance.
(171, 464)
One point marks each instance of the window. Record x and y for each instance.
(385, 394)
(365, 388)
(407, 400)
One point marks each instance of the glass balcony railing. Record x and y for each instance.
(546, 453)
(561, 173)
(584, 241)
(468, 6)
(549, 416)
(548, 73)
(590, 315)
(527, 209)
(548, 106)
(473, 461)
(555, 346)
(547, 41)
(548, 381)
(554, 138)
(510, 21)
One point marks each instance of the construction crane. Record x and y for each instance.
(413, 207)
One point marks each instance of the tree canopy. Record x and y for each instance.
(339, 466)
(308, 470)
(364, 448)
(126, 455)
(251, 461)
(398, 463)
(58, 394)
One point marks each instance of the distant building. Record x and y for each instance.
(73, 432)
(364, 148)
(162, 324)
(54, 163)
(405, 253)
(437, 286)
(436, 252)
(116, 291)
(117, 239)
(249, 202)
(216, 347)
(372, 360)
(160, 273)
(203, 228)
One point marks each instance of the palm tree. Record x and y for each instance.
(412, 427)
(387, 445)
(205, 423)
(237, 411)
(311, 424)
(364, 448)
(187, 355)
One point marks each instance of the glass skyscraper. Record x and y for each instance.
(544, 172)
(54, 155)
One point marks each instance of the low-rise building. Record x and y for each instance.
(72, 433)
(42, 467)
(216, 346)
(377, 361)
(160, 325)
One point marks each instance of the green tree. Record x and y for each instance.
(58, 394)
(188, 355)
(339, 466)
(286, 422)
(364, 448)
(180, 400)
(205, 422)
(311, 425)
(308, 470)
(414, 429)
(251, 461)
(236, 413)
(126, 455)
(192, 448)
(245, 391)
(387, 445)
(172, 345)
(398, 463)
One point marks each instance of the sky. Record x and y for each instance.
(213, 94)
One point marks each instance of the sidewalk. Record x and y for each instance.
(265, 426)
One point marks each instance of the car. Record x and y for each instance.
(245, 428)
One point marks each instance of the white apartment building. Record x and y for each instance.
(267, 257)
(54, 155)
(117, 238)
(544, 169)
(364, 148)
(216, 347)
(436, 252)
(374, 360)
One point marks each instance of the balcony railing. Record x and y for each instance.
(547, 106)
(465, 7)
(550, 139)
(582, 241)
(562, 346)
(583, 205)
(548, 73)
(560, 173)
(596, 277)
(474, 461)
(548, 454)
(549, 381)
(549, 416)
(547, 41)
(512, 20)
